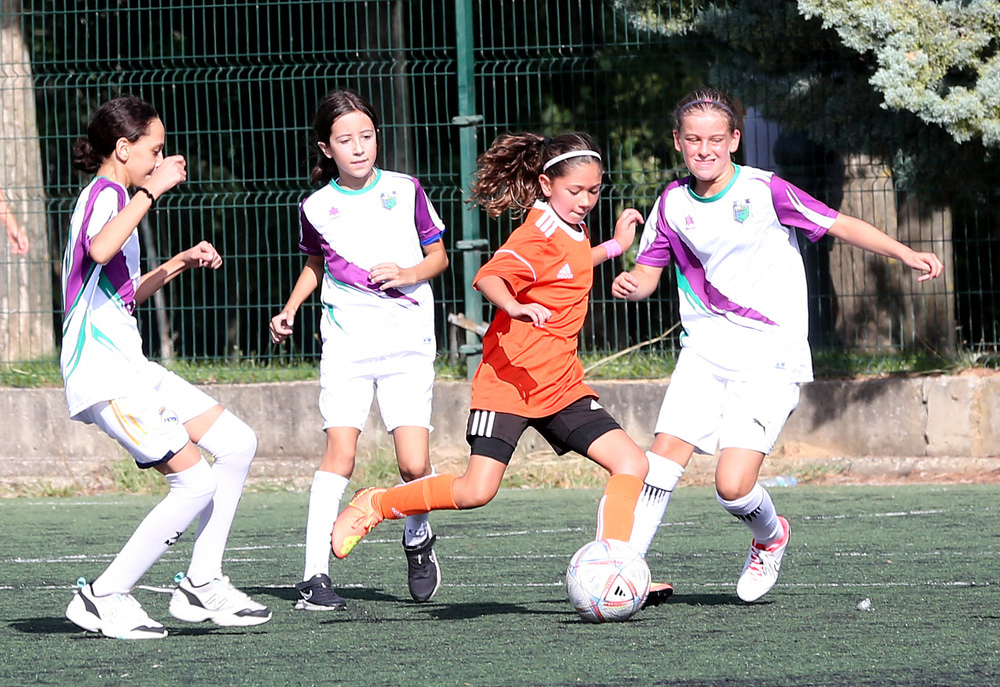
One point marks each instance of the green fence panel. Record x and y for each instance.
(236, 85)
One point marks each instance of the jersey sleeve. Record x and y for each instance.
(518, 261)
(107, 203)
(428, 223)
(796, 208)
(309, 239)
(654, 248)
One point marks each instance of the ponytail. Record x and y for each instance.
(507, 174)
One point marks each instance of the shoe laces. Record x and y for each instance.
(761, 561)
(231, 592)
(126, 606)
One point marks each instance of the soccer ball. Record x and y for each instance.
(607, 581)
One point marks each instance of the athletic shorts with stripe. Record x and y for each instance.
(149, 423)
(574, 428)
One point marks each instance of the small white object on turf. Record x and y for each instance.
(760, 572)
(218, 601)
(118, 616)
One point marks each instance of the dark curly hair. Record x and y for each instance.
(507, 174)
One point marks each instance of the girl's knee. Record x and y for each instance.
(411, 471)
(730, 490)
(469, 495)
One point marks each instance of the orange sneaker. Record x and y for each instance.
(659, 592)
(357, 520)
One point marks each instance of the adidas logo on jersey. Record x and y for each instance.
(564, 272)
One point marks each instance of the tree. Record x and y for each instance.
(895, 169)
(935, 59)
(26, 330)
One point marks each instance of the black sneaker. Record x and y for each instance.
(659, 592)
(318, 595)
(423, 574)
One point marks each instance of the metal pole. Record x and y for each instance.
(468, 121)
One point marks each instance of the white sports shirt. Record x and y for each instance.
(387, 221)
(742, 285)
(101, 346)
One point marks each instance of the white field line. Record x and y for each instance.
(687, 585)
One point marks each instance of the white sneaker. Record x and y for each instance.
(116, 615)
(218, 601)
(760, 572)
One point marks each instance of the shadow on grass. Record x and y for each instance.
(290, 594)
(708, 600)
(467, 611)
(45, 626)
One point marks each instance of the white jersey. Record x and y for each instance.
(743, 297)
(388, 221)
(101, 347)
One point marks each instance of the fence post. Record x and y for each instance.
(468, 121)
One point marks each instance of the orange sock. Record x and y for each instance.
(617, 509)
(418, 496)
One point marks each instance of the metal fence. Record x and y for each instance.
(236, 85)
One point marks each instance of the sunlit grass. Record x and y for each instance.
(634, 365)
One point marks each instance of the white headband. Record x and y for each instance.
(573, 153)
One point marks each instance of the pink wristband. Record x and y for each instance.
(612, 248)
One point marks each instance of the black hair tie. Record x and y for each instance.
(546, 141)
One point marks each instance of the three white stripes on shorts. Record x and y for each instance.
(482, 423)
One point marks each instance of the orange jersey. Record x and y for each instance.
(527, 370)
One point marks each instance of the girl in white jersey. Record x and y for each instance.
(729, 232)
(374, 242)
(154, 414)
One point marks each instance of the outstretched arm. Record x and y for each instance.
(637, 284)
(283, 323)
(624, 236)
(18, 239)
(201, 255)
(860, 233)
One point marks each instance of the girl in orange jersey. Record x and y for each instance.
(530, 375)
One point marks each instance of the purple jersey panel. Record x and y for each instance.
(796, 208)
(309, 238)
(81, 251)
(427, 229)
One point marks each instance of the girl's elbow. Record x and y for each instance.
(99, 256)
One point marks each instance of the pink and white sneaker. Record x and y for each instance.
(760, 571)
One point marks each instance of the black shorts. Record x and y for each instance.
(574, 428)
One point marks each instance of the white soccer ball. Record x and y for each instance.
(607, 581)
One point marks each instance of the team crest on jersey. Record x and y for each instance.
(389, 200)
(741, 210)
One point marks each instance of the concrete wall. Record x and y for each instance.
(874, 422)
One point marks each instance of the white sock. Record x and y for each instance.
(757, 512)
(190, 491)
(324, 504)
(661, 480)
(417, 528)
(233, 445)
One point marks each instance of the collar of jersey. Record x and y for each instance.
(575, 233)
(352, 192)
(700, 199)
(101, 176)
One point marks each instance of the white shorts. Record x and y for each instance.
(404, 384)
(711, 412)
(149, 423)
